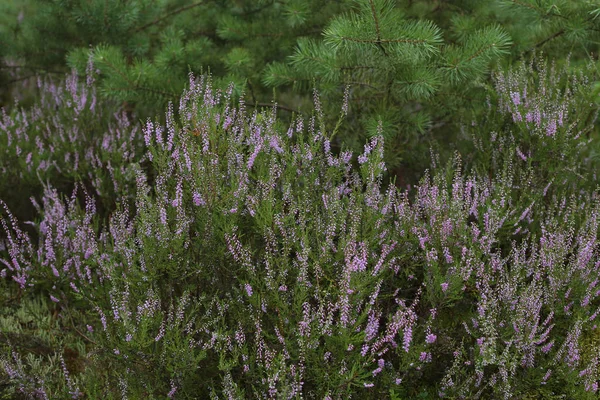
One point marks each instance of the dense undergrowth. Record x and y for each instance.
(227, 255)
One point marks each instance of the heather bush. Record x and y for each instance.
(543, 114)
(64, 137)
(428, 61)
(249, 260)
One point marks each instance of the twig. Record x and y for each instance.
(377, 27)
(169, 14)
(279, 106)
(551, 37)
(73, 326)
(19, 79)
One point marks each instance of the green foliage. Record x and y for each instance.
(248, 259)
(66, 136)
(220, 252)
(419, 64)
(393, 55)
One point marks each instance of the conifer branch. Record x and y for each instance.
(169, 14)
(22, 78)
(413, 41)
(278, 34)
(358, 67)
(551, 37)
(554, 36)
(134, 86)
(520, 3)
(278, 106)
(31, 68)
(480, 51)
(364, 84)
(377, 30)
(145, 89)
(259, 9)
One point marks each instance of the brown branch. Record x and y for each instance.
(278, 106)
(256, 34)
(169, 14)
(377, 30)
(364, 84)
(554, 36)
(519, 3)
(477, 53)
(358, 67)
(133, 86)
(551, 37)
(23, 78)
(65, 308)
(383, 40)
(31, 68)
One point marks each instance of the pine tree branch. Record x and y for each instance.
(31, 68)
(169, 14)
(279, 34)
(480, 51)
(363, 84)
(22, 78)
(251, 90)
(520, 3)
(377, 30)
(351, 39)
(134, 86)
(358, 67)
(278, 106)
(551, 37)
(168, 95)
(259, 9)
(554, 36)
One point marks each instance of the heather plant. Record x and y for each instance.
(66, 136)
(252, 261)
(428, 66)
(545, 116)
(418, 66)
(145, 49)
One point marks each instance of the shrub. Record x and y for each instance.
(255, 262)
(64, 137)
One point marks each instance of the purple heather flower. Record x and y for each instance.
(198, 200)
(516, 98)
(444, 286)
(551, 128)
(248, 289)
(171, 394)
(431, 338)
